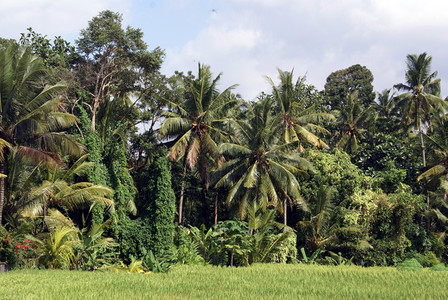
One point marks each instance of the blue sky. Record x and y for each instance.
(248, 39)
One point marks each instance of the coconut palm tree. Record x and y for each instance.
(298, 122)
(438, 146)
(59, 190)
(32, 118)
(421, 95)
(193, 123)
(353, 121)
(386, 105)
(261, 167)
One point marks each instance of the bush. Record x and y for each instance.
(411, 264)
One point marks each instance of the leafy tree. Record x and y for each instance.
(344, 82)
(333, 170)
(260, 168)
(111, 56)
(232, 237)
(421, 95)
(194, 125)
(299, 121)
(32, 118)
(56, 53)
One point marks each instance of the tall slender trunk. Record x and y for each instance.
(422, 142)
(182, 188)
(2, 189)
(423, 146)
(216, 207)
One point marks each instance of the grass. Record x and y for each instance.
(255, 282)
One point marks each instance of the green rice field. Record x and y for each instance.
(273, 281)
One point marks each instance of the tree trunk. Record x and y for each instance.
(423, 149)
(95, 107)
(422, 143)
(216, 207)
(181, 197)
(2, 189)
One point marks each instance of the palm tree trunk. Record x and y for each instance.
(423, 149)
(428, 221)
(2, 189)
(422, 143)
(216, 207)
(182, 189)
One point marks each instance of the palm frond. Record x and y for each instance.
(437, 170)
(179, 148)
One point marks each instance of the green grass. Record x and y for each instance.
(255, 282)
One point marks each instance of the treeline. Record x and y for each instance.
(105, 163)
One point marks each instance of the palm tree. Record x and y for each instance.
(194, 125)
(319, 227)
(260, 166)
(31, 114)
(421, 95)
(267, 235)
(34, 190)
(59, 190)
(298, 123)
(439, 148)
(352, 121)
(386, 105)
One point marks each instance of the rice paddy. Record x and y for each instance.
(273, 281)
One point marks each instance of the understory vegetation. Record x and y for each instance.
(106, 164)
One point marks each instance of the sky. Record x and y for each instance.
(246, 40)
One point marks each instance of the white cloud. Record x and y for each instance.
(248, 39)
(52, 18)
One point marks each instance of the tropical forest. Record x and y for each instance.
(113, 175)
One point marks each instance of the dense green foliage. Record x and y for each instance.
(99, 150)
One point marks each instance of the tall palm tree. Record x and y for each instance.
(353, 121)
(194, 125)
(31, 114)
(261, 167)
(421, 95)
(298, 123)
(438, 146)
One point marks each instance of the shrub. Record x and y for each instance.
(411, 264)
